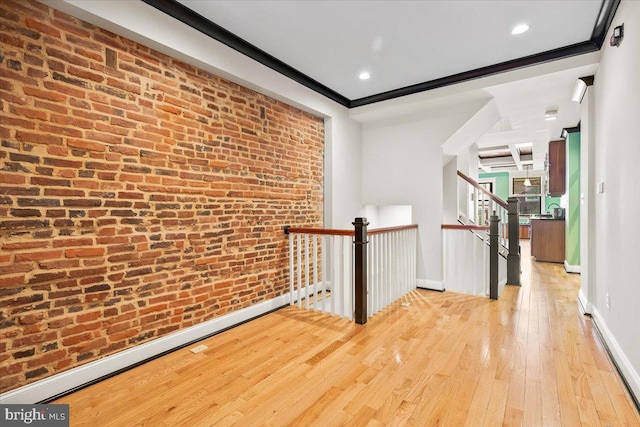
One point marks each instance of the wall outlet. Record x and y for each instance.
(199, 348)
(607, 301)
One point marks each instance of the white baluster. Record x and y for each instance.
(337, 272)
(325, 271)
(315, 273)
(370, 279)
(291, 269)
(299, 265)
(387, 264)
(351, 306)
(307, 271)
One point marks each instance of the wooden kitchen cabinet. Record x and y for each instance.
(557, 168)
(524, 231)
(547, 239)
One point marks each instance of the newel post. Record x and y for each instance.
(513, 258)
(493, 256)
(360, 269)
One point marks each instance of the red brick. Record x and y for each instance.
(46, 358)
(140, 193)
(14, 268)
(37, 256)
(33, 339)
(86, 145)
(38, 138)
(65, 89)
(72, 242)
(12, 280)
(43, 28)
(56, 108)
(11, 178)
(44, 94)
(77, 329)
(83, 252)
(29, 113)
(76, 339)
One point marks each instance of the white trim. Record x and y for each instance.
(571, 268)
(64, 381)
(583, 303)
(433, 285)
(491, 181)
(624, 365)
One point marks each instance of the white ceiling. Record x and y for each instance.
(400, 43)
(403, 43)
(522, 105)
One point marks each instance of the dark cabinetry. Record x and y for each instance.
(547, 239)
(557, 168)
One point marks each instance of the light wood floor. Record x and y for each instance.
(447, 359)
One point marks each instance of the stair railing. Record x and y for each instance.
(351, 273)
(484, 204)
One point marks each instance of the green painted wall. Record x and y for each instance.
(502, 183)
(548, 200)
(572, 240)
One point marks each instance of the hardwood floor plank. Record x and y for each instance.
(447, 359)
(497, 404)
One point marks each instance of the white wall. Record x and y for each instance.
(617, 150)
(450, 191)
(587, 204)
(464, 196)
(343, 172)
(388, 215)
(403, 165)
(146, 25)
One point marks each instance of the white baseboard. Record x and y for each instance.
(76, 377)
(583, 303)
(571, 268)
(624, 365)
(433, 285)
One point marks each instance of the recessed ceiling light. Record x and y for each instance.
(519, 29)
(551, 115)
(364, 76)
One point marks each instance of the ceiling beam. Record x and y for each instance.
(515, 153)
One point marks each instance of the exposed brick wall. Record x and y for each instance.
(138, 194)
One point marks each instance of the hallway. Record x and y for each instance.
(449, 359)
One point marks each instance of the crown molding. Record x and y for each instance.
(184, 14)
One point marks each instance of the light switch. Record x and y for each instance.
(601, 187)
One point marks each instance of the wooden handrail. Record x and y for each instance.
(327, 231)
(336, 232)
(489, 194)
(465, 227)
(388, 229)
